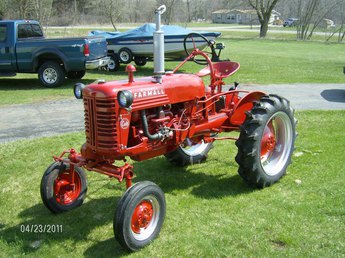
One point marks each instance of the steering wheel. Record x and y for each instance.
(195, 40)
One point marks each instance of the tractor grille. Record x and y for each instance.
(100, 123)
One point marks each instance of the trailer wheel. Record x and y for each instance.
(114, 63)
(75, 75)
(189, 153)
(125, 55)
(266, 141)
(140, 61)
(51, 74)
(58, 193)
(139, 215)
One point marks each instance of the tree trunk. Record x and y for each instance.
(263, 28)
(264, 10)
(188, 10)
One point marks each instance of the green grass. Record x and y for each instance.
(210, 210)
(262, 62)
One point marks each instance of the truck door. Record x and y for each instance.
(5, 53)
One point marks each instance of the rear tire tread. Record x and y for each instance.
(248, 156)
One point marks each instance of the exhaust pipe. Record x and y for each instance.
(158, 46)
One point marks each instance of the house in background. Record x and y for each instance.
(237, 16)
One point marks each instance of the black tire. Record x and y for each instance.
(142, 200)
(125, 55)
(189, 153)
(75, 75)
(51, 74)
(53, 200)
(266, 141)
(114, 63)
(140, 61)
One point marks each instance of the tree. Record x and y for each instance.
(339, 15)
(41, 10)
(263, 9)
(170, 9)
(310, 14)
(114, 10)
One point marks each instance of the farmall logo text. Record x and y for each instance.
(148, 93)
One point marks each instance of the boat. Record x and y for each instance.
(138, 43)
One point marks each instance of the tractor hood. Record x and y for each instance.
(147, 93)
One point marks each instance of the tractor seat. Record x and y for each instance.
(221, 70)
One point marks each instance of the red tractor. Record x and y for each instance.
(172, 114)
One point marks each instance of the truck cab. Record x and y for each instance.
(24, 49)
(10, 34)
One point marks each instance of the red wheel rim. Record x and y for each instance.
(142, 216)
(65, 191)
(276, 143)
(268, 141)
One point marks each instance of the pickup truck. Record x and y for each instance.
(23, 49)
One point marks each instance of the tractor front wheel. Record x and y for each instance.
(189, 153)
(266, 141)
(58, 192)
(139, 215)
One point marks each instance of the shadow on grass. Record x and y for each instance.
(78, 224)
(205, 184)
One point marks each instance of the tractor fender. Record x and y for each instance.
(245, 104)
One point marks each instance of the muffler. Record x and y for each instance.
(158, 46)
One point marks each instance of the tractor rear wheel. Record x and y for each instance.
(266, 141)
(189, 153)
(139, 215)
(58, 193)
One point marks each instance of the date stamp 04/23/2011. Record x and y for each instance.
(41, 228)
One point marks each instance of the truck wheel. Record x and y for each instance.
(75, 75)
(125, 55)
(266, 141)
(189, 153)
(139, 215)
(114, 63)
(58, 193)
(51, 74)
(140, 61)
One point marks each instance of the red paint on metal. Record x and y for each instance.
(243, 105)
(221, 69)
(178, 107)
(268, 141)
(66, 189)
(142, 216)
(130, 69)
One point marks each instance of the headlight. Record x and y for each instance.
(78, 90)
(125, 98)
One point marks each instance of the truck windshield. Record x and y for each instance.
(29, 31)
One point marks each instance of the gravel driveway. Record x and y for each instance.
(51, 118)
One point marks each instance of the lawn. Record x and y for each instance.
(210, 210)
(262, 62)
